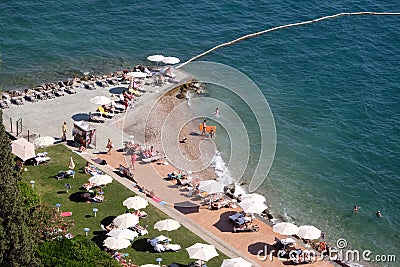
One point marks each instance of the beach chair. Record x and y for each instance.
(59, 92)
(70, 90)
(105, 113)
(95, 117)
(3, 105)
(89, 86)
(40, 95)
(31, 97)
(50, 94)
(17, 100)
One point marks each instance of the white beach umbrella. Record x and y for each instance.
(171, 60)
(23, 149)
(253, 207)
(309, 232)
(126, 220)
(102, 179)
(116, 243)
(71, 164)
(137, 74)
(123, 233)
(211, 186)
(136, 203)
(236, 262)
(285, 228)
(100, 100)
(155, 58)
(202, 252)
(44, 141)
(167, 225)
(253, 197)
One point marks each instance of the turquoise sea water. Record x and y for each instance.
(333, 87)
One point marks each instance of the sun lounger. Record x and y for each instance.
(70, 90)
(140, 214)
(40, 95)
(140, 229)
(90, 86)
(105, 113)
(161, 244)
(31, 97)
(246, 228)
(89, 186)
(66, 214)
(50, 94)
(59, 92)
(101, 83)
(39, 160)
(65, 174)
(112, 81)
(98, 198)
(152, 159)
(95, 117)
(17, 100)
(3, 104)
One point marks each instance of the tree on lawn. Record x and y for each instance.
(16, 244)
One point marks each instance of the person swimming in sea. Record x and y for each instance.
(378, 214)
(355, 209)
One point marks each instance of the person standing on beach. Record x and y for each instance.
(110, 146)
(203, 133)
(212, 134)
(133, 159)
(64, 132)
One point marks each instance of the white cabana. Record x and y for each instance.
(23, 149)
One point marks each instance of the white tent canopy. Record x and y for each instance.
(23, 149)
(84, 125)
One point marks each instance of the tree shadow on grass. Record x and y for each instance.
(80, 196)
(142, 245)
(99, 239)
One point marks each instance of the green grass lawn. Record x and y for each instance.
(53, 191)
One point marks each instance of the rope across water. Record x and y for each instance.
(288, 26)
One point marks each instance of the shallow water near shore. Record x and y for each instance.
(333, 88)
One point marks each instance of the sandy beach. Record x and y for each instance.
(144, 123)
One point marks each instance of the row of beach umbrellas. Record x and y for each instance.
(120, 237)
(306, 231)
(165, 60)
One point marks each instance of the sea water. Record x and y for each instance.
(333, 88)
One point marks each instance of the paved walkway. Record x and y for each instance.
(45, 118)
